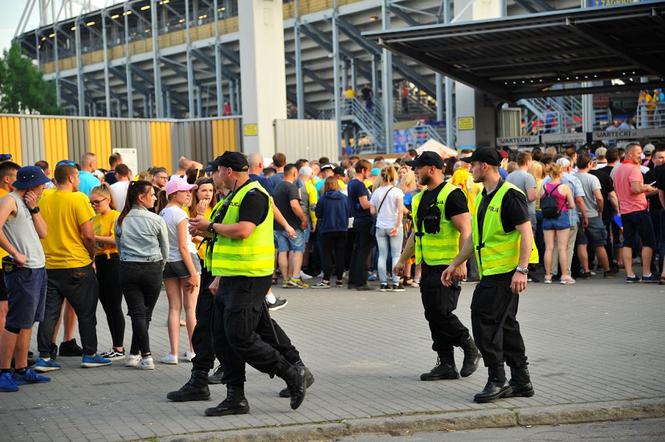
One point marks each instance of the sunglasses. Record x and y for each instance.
(66, 163)
(95, 202)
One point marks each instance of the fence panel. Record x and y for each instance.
(32, 140)
(10, 138)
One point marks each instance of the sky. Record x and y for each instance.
(13, 9)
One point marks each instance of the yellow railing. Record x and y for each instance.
(175, 38)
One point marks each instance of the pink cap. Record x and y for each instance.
(177, 184)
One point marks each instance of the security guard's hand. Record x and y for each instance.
(518, 284)
(398, 268)
(199, 223)
(214, 285)
(453, 274)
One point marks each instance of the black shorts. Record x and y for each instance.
(178, 269)
(3, 287)
(638, 224)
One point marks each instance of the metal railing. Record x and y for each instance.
(650, 115)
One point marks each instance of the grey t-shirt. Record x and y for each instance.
(21, 233)
(523, 181)
(590, 184)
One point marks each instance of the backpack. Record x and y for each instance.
(549, 205)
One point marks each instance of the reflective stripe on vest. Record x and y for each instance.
(436, 248)
(500, 251)
(253, 256)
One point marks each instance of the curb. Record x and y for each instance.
(452, 421)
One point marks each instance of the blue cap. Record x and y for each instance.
(29, 177)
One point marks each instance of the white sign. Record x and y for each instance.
(574, 137)
(517, 141)
(130, 158)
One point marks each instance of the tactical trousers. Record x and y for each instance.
(246, 330)
(202, 337)
(495, 327)
(440, 302)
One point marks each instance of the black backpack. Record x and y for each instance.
(549, 205)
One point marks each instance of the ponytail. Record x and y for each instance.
(135, 189)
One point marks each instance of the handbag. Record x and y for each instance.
(372, 229)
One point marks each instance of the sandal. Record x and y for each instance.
(547, 279)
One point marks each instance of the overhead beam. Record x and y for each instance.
(404, 16)
(202, 57)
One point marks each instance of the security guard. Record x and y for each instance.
(441, 222)
(243, 256)
(503, 243)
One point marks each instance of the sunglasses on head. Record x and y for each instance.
(66, 163)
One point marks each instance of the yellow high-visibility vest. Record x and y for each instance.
(436, 248)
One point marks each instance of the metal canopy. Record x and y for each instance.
(554, 53)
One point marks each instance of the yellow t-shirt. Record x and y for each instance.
(64, 213)
(200, 249)
(103, 226)
(313, 199)
(463, 179)
(3, 253)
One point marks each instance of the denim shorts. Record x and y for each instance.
(178, 269)
(560, 223)
(596, 233)
(285, 243)
(26, 290)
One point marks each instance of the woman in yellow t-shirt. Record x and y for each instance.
(107, 264)
(203, 200)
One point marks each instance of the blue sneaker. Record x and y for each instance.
(94, 361)
(30, 377)
(632, 279)
(650, 278)
(7, 383)
(45, 365)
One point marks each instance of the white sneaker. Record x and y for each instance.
(132, 360)
(189, 355)
(169, 359)
(146, 364)
(304, 275)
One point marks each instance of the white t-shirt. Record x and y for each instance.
(119, 194)
(387, 216)
(173, 215)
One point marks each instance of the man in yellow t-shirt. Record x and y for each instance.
(8, 172)
(69, 248)
(463, 179)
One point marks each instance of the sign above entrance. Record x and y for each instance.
(632, 134)
(574, 137)
(518, 141)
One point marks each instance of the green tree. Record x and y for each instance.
(22, 86)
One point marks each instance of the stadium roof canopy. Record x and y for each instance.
(576, 50)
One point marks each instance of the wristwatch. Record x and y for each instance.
(523, 270)
(34, 210)
(211, 229)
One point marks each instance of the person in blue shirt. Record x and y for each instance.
(88, 180)
(362, 226)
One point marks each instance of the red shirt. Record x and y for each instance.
(629, 202)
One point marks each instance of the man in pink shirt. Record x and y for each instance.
(631, 193)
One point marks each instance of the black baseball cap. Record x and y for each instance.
(487, 155)
(339, 170)
(235, 160)
(427, 159)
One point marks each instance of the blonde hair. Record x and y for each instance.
(408, 181)
(388, 175)
(536, 170)
(105, 191)
(553, 170)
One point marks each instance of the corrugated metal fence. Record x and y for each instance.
(157, 142)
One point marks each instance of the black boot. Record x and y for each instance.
(471, 358)
(520, 383)
(309, 380)
(496, 386)
(296, 382)
(196, 389)
(216, 377)
(444, 368)
(235, 402)
(70, 348)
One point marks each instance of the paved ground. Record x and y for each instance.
(595, 341)
(632, 431)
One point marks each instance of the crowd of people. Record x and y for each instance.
(79, 234)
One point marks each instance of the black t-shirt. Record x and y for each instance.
(455, 204)
(658, 175)
(283, 194)
(355, 190)
(606, 186)
(514, 209)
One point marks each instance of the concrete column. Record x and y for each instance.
(438, 79)
(107, 86)
(469, 102)
(263, 80)
(157, 71)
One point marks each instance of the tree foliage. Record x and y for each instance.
(22, 86)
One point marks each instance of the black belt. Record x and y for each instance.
(108, 256)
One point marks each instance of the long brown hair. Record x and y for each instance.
(134, 191)
(195, 196)
(330, 184)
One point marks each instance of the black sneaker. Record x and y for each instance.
(650, 278)
(632, 279)
(70, 348)
(609, 274)
(384, 288)
(53, 351)
(585, 275)
(278, 304)
(532, 278)
(321, 285)
(398, 287)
